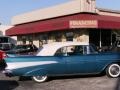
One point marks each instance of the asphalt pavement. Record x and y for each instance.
(61, 83)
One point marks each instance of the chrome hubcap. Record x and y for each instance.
(40, 77)
(115, 70)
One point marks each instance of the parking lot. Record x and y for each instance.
(61, 83)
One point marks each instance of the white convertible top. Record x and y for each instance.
(50, 49)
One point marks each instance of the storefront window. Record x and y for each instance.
(58, 38)
(24, 39)
(30, 39)
(113, 38)
(101, 38)
(43, 38)
(69, 36)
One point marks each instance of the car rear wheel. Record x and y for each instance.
(40, 79)
(113, 70)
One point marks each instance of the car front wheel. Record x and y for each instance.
(40, 79)
(113, 70)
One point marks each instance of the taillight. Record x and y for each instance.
(2, 55)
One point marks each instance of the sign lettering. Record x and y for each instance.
(83, 23)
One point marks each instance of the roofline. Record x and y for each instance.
(108, 10)
(90, 13)
(70, 7)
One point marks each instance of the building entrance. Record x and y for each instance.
(101, 38)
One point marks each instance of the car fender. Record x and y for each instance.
(104, 68)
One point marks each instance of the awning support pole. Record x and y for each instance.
(100, 39)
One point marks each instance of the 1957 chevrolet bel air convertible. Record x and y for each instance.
(63, 58)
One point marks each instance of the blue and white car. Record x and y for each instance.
(63, 58)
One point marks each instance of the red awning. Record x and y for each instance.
(64, 22)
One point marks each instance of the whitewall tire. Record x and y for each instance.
(113, 70)
(40, 79)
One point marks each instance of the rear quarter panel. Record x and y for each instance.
(35, 65)
(105, 59)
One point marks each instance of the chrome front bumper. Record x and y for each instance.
(7, 72)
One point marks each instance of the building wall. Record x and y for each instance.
(79, 35)
(71, 7)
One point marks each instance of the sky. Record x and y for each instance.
(10, 8)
